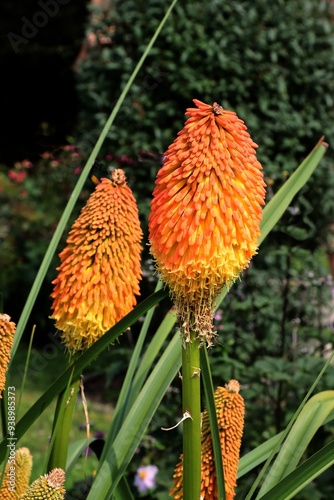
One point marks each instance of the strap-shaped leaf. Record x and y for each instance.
(210, 401)
(306, 425)
(75, 450)
(293, 483)
(282, 199)
(79, 365)
(136, 421)
(257, 456)
(271, 214)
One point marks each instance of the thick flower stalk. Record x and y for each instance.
(100, 267)
(49, 486)
(206, 212)
(7, 331)
(17, 475)
(230, 410)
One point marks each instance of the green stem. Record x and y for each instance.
(191, 395)
(62, 426)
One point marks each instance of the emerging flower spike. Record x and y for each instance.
(206, 212)
(230, 415)
(17, 475)
(7, 331)
(49, 486)
(100, 267)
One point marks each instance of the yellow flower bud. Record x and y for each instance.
(17, 475)
(48, 487)
(7, 331)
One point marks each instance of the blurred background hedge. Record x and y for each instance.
(272, 63)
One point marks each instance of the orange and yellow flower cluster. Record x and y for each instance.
(205, 214)
(100, 267)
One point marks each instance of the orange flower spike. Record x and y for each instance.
(230, 410)
(205, 215)
(7, 331)
(230, 415)
(100, 267)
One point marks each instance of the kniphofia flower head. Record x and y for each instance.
(15, 484)
(100, 267)
(7, 331)
(48, 486)
(230, 410)
(206, 212)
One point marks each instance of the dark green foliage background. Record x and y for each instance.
(272, 63)
(273, 66)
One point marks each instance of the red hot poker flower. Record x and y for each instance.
(205, 213)
(7, 331)
(230, 410)
(100, 267)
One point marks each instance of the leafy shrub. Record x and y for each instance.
(274, 67)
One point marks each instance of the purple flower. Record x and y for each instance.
(145, 478)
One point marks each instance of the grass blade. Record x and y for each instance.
(288, 428)
(123, 399)
(75, 451)
(78, 366)
(312, 416)
(282, 199)
(136, 422)
(210, 401)
(289, 486)
(153, 349)
(255, 457)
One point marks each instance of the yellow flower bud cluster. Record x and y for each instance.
(7, 331)
(17, 475)
(48, 487)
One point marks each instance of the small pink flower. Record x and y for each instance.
(17, 176)
(55, 163)
(91, 39)
(125, 160)
(145, 478)
(46, 155)
(78, 170)
(26, 164)
(218, 315)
